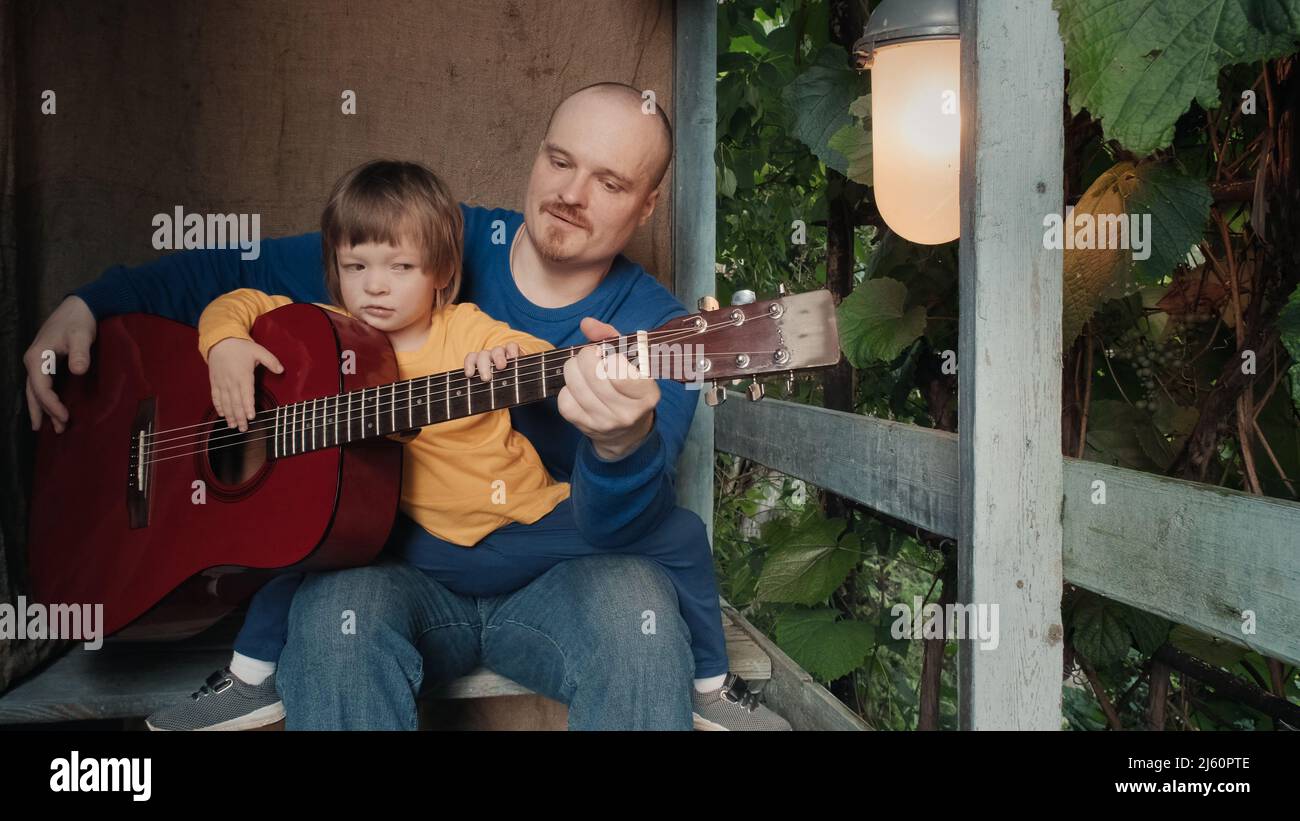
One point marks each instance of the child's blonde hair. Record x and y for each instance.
(385, 201)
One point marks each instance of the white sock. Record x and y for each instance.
(707, 685)
(250, 670)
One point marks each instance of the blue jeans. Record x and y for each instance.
(364, 643)
(514, 558)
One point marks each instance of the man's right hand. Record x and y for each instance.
(68, 332)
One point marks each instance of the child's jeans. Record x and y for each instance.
(512, 556)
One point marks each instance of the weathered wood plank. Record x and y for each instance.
(903, 470)
(792, 692)
(1009, 359)
(695, 71)
(1193, 553)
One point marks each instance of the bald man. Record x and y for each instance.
(578, 633)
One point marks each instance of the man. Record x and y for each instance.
(580, 633)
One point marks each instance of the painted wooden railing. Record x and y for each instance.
(1216, 560)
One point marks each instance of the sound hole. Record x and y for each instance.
(235, 457)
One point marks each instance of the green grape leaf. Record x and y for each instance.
(1113, 438)
(807, 559)
(727, 182)
(1104, 629)
(1148, 630)
(1288, 327)
(1179, 205)
(1174, 420)
(854, 143)
(818, 101)
(1137, 65)
(873, 323)
(827, 648)
(861, 107)
(1100, 632)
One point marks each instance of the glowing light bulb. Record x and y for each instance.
(916, 138)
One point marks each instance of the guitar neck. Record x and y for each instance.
(794, 332)
(369, 413)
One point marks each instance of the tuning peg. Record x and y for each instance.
(743, 297)
(715, 396)
(780, 289)
(789, 383)
(707, 303)
(755, 391)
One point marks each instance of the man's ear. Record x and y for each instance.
(648, 207)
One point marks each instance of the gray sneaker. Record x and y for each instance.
(733, 706)
(225, 702)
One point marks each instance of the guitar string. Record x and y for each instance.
(324, 422)
(396, 401)
(529, 358)
(476, 385)
(534, 364)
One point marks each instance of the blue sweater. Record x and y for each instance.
(614, 502)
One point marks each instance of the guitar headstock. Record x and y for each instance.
(793, 332)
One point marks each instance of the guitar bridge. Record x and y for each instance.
(140, 465)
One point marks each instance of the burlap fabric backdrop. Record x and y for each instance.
(236, 107)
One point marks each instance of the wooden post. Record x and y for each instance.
(1009, 360)
(695, 72)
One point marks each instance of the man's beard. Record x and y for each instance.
(550, 246)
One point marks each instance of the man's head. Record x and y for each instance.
(597, 173)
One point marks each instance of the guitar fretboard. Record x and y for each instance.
(330, 421)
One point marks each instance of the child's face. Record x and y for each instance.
(384, 285)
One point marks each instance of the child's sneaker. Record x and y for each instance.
(225, 702)
(734, 707)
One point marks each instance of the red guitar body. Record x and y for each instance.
(173, 558)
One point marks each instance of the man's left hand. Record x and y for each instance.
(608, 401)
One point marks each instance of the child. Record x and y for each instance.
(391, 237)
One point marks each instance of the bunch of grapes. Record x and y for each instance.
(1147, 357)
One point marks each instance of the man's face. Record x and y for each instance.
(591, 181)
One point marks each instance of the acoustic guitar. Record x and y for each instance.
(151, 505)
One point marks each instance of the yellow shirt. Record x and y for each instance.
(463, 478)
